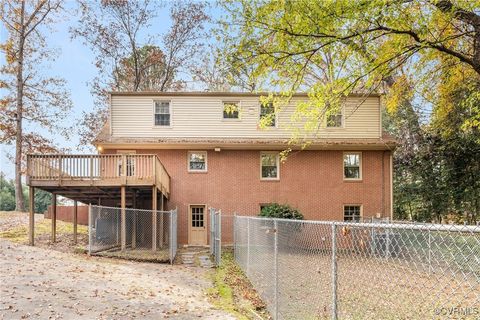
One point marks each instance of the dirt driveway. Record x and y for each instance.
(38, 283)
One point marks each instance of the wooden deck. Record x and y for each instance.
(64, 174)
(118, 179)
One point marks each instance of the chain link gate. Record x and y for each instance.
(173, 235)
(216, 235)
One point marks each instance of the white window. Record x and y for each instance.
(335, 120)
(269, 166)
(352, 166)
(162, 113)
(197, 161)
(231, 110)
(267, 112)
(352, 213)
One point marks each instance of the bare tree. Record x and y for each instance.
(31, 98)
(129, 60)
(218, 74)
(184, 39)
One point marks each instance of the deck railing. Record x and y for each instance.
(61, 167)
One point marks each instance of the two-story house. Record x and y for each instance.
(217, 155)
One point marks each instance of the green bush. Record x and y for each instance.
(7, 201)
(282, 211)
(7, 196)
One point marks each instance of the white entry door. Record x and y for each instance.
(197, 231)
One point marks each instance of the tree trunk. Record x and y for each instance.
(20, 204)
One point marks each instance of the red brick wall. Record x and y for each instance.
(311, 181)
(65, 213)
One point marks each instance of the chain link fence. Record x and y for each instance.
(216, 235)
(148, 235)
(330, 270)
(221, 233)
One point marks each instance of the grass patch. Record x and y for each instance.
(234, 293)
(19, 234)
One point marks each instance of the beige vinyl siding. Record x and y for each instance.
(202, 116)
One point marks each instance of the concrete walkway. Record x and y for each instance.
(194, 256)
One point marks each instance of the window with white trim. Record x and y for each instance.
(335, 120)
(162, 113)
(267, 112)
(269, 165)
(352, 213)
(352, 166)
(197, 161)
(231, 110)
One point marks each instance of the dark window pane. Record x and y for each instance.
(230, 115)
(352, 172)
(351, 213)
(197, 165)
(269, 172)
(230, 111)
(162, 119)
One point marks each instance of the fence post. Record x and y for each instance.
(219, 249)
(89, 229)
(429, 252)
(212, 232)
(373, 247)
(275, 259)
(387, 243)
(248, 246)
(170, 233)
(334, 272)
(235, 236)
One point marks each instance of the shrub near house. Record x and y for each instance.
(281, 211)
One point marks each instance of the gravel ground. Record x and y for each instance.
(41, 283)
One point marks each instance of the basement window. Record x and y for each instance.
(352, 213)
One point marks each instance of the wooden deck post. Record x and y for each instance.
(154, 218)
(123, 225)
(161, 221)
(31, 223)
(75, 221)
(53, 237)
(134, 218)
